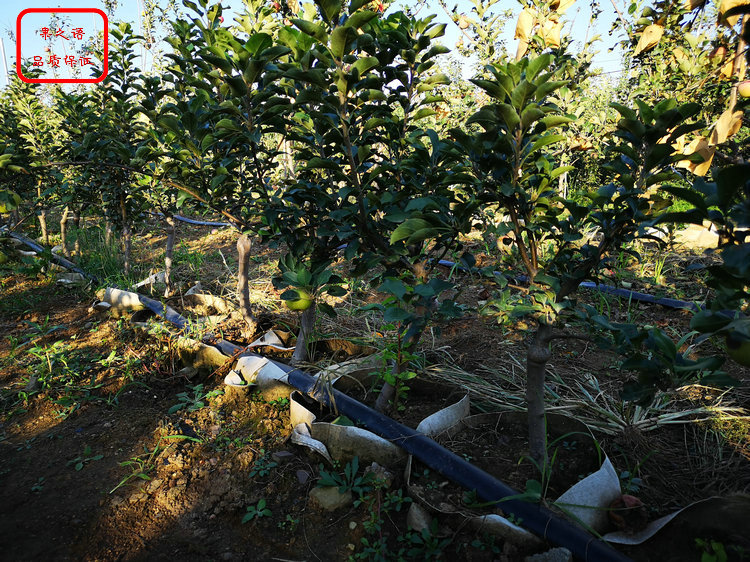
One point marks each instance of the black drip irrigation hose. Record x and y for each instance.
(195, 222)
(54, 258)
(608, 289)
(534, 516)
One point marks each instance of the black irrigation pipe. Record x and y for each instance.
(54, 258)
(535, 517)
(608, 289)
(195, 222)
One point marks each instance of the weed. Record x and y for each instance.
(140, 465)
(194, 402)
(193, 258)
(713, 551)
(39, 486)
(424, 544)
(26, 444)
(256, 511)
(289, 524)
(349, 481)
(263, 466)
(84, 459)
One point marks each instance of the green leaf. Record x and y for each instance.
(312, 29)
(340, 37)
(546, 140)
(359, 19)
(394, 286)
(170, 123)
(329, 9)
(407, 229)
(365, 64)
(536, 65)
(424, 112)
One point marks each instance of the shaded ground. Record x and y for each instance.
(102, 458)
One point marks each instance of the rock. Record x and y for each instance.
(381, 475)
(418, 518)
(154, 485)
(329, 498)
(137, 497)
(282, 456)
(33, 385)
(558, 554)
(187, 372)
(303, 476)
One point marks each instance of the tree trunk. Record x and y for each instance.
(537, 357)
(168, 255)
(43, 226)
(126, 237)
(64, 232)
(307, 324)
(108, 231)
(243, 290)
(77, 223)
(42, 217)
(388, 393)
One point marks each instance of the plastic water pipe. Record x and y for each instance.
(535, 517)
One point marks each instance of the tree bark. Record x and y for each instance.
(108, 231)
(168, 253)
(243, 290)
(537, 357)
(64, 232)
(77, 223)
(42, 216)
(307, 324)
(126, 237)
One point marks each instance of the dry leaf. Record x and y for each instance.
(693, 4)
(701, 147)
(525, 25)
(727, 5)
(580, 144)
(550, 32)
(727, 69)
(649, 38)
(726, 126)
(561, 6)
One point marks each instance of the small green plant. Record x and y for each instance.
(84, 459)
(425, 544)
(713, 551)
(256, 511)
(194, 402)
(140, 465)
(39, 486)
(289, 524)
(349, 481)
(263, 466)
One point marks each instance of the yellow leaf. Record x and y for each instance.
(726, 126)
(693, 4)
(550, 33)
(649, 38)
(701, 147)
(679, 54)
(727, 5)
(727, 69)
(526, 23)
(561, 6)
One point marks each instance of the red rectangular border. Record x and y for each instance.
(62, 11)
